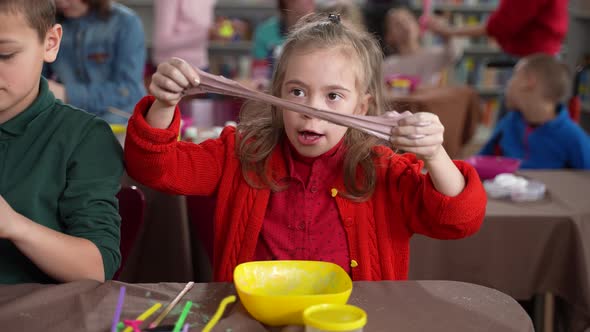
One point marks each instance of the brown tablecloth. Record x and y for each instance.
(522, 249)
(459, 110)
(390, 306)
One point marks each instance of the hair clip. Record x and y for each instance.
(334, 18)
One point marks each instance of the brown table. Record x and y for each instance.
(400, 306)
(523, 249)
(458, 107)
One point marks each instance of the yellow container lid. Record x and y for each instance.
(335, 317)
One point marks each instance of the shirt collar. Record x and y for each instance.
(18, 125)
(561, 115)
(328, 160)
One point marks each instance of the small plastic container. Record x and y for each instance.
(334, 317)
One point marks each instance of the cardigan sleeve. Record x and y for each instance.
(428, 212)
(511, 17)
(155, 157)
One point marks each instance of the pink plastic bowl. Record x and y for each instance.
(489, 166)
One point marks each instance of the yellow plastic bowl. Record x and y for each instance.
(276, 292)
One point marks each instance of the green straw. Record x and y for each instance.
(182, 318)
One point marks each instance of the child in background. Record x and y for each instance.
(290, 186)
(102, 58)
(409, 58)
(269, 37)
(60, 167)
(539, 130)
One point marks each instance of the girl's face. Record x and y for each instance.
(323, 79)
(402, 28)
(72, 8)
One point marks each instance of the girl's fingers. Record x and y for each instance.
(419, 119)
(166, 96)
(433, 129)
(166, 83)
(171, 72)
(189, 73)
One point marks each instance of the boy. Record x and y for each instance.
(540, 131)
(59, 167)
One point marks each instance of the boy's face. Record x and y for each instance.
(21, 60)
(519, 88)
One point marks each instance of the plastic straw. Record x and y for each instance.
(145, 315)
(181, 319)
(185, 328)
(219, 312)
(118, 309)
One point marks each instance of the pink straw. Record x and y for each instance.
(426, 12)
(185, 328)
(118, 309)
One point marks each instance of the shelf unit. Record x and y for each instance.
(464, 9)
(230, 48)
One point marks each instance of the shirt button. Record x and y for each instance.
(314, 189)
(301, 226)
(348, 221)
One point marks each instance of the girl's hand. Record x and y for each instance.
(7, 219)
(419, 133)
(171, 79)
(439, 26)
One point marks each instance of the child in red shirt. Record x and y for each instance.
(290, 186)
(520, 27)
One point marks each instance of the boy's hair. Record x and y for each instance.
(40, 14)
(261, 127)
(553, 76)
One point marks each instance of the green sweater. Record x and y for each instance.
(60, 167)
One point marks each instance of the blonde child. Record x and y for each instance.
(422, 63)
(539, 130)
(290, 186)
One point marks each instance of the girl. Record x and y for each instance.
(409, 58)
(101, 60)
(290, 186)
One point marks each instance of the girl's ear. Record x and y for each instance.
(363, 105)
(52, 42)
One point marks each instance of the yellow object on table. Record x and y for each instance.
(118, 129)
(276, 292)
(334, 317)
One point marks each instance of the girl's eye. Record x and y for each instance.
(334, 96)
(6, 56)
(298, 93)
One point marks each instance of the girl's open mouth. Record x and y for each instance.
(309, 137)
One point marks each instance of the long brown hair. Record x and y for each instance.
(261, 126)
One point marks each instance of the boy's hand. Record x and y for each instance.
(171, 79)
(7, 219)
(419, 133)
